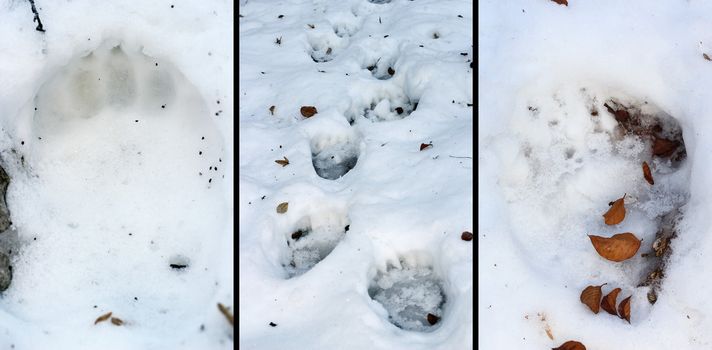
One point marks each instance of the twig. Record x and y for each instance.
(37, 17)
(459, 157)
(226, 313)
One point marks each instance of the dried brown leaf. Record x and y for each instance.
(618, 247)
(591, 297)
(571, 345)
(224, 310)
(281, 162)
(616, 213)
(308, 111)
(425, 145)
(664, 147)
(103, 318)
(117, 321)
(432, 319)
(706, 56)
(282, 207)
(647, 175)
(467, 236)
(609, 301)
(547, 329)
(624, 309)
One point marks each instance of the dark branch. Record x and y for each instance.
(37, 17)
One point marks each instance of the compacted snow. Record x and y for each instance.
(356, 241)
(117, 136)
(553, 155)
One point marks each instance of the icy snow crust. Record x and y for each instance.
(120, 167)
(370, 243)
(549, 168)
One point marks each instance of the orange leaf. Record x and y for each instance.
(571, 345)
(616, 213)
(103, 318)
(624, 309)
(646, 174)
(609, 301)
(308, 111)
(561, 2)
(617, 248)
(281, 162)
(591, 296)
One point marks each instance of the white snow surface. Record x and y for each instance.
(108, 121)
(369, 244)
(548, 168)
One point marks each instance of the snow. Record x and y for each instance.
(119, 144)
(377, 226)
(548, 168)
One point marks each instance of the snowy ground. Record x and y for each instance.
(370, 242)
(552, 157)
(117, 134)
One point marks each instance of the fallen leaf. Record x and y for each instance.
(466, 236)
(282, 207)
(707, 57)
(609, 301)
(117, 321)
(624, 309)
(432, 319)
(425, 145)
(617, 248)
(591, 297)
(103, 317)
(664, 147)
(308, 111)
(616, 213)
(561, 2)
(271, 110)
(281, 162)
(647, 175)
(227, 314)
(571, 345)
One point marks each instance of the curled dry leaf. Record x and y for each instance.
(229, 316)
(117, 321)
(609, 301)
(466, 236)
(616, 213)
(282, 207)
(308, 111)
(425, 145)
(103, 317)
(561, 2)
(624, 309)
(432, 319)
(571, 345)
(281, 162)
(591, 296)
(617, 248)
(646, 174)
